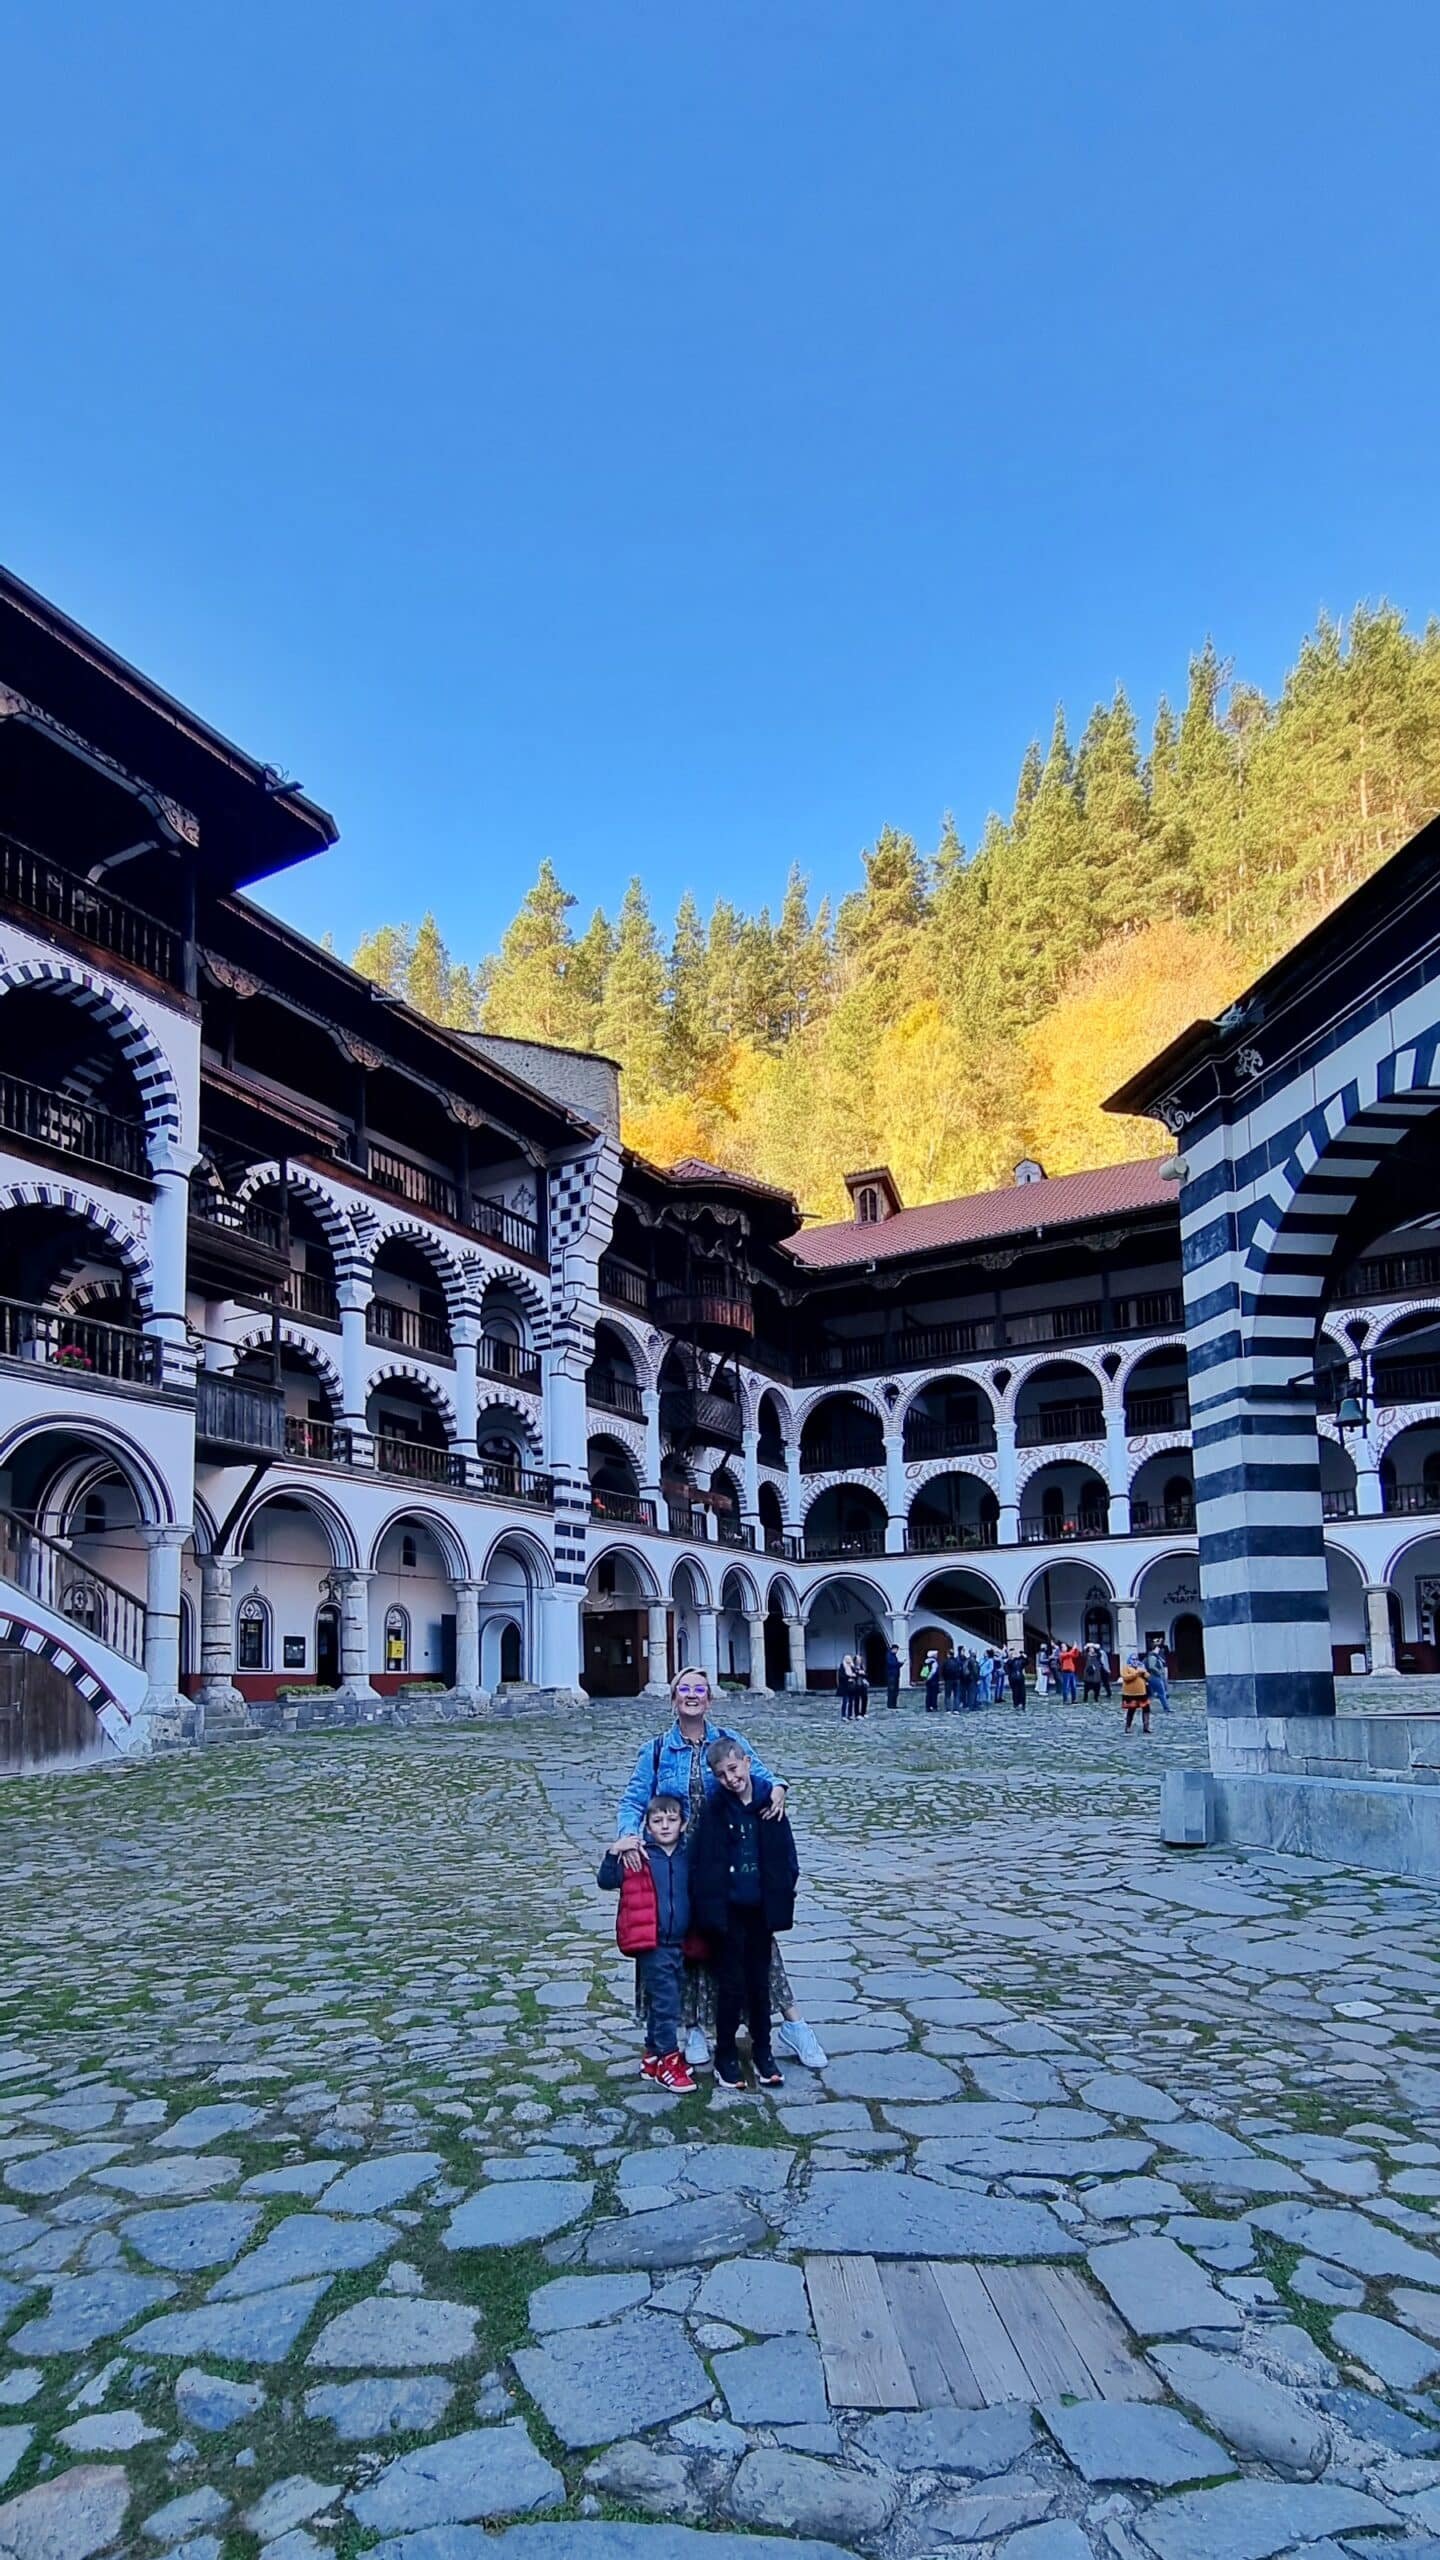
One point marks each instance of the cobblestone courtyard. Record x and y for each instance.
(335, 2217)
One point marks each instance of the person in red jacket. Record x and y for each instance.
(651, 1925)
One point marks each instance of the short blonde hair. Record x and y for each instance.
(693, 1671)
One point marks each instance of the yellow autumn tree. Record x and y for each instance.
(1124, 1004)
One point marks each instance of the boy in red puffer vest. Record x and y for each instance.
(650, 1925)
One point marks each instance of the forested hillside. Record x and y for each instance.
(962, 1007)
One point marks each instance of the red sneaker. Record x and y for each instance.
(673, 2072)
(650, 2066)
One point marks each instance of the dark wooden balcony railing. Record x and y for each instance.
(424, 1460)
(1053, 1324)
(310, 1294)
(685, 1520)
(629, 1510)
(1048, 1529)
(60, 898)
(935, 1436)
(713, 1307)
(61, 1582)
(254, 1220)
(1412, 1497)
(1157, 1409)
(40, 1117)
(959, 1339)
(1148, 1517)
(785, 1542)
(239, 1415)
(408, 1328)
(940, 1537)
(969, 1337)
(732, 1532)
(509, 1228)
(822, 1545)
(80, 1347)
(614, 1395)
(1390, 1275)
(621, 1282)
(329, 1444)
(1406, 1382)
(509, 1360)
(843, 1451)
(696, 1413)
(502, 1480)
(771, 1453)
(1150, 1311)
(1338, 1504)
(1062, 1422)
(417, 1184)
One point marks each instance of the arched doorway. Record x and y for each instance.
(618, 1594)
(844, 1614)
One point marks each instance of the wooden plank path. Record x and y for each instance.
(921, 2333)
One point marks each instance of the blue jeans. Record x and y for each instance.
(662, 1981)
(1160, 1691)
(1067, 1688)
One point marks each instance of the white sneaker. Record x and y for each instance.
(697, 2049)
(797, 2037)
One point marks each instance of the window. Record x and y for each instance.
(869, 1206)
(409, 1557)
(252, 1635)
(397, 1637)
(93, 1523)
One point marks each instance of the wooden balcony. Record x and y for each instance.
(79, 1349)
(1062, 1422)
(692, 1414)
(235, 1248)
(237, 1419)
(55, 1124)
(86, 914)
(402, 1328)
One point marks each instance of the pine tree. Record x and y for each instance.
(632, 1023)
(1120, 847)
(385, 956)
(532, 994)
(878, 928)
(689, 1034)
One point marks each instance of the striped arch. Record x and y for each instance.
(1340, 1145)
(854, 1391)
(95, 1437)
(21, 1635)
(502, 1407)
(485, 1279)
(640, 1358)
(410, 1374)
(984, 1387)
(1165, 1444)
(330, 1217)
(626, 1435)
(1083, 1563)
(743, 1579)
(75, 1204)
(414, 1231)
(781, 1593)
(756, 1390)
(1089, 1454)
(258, 1339)
(131, 1034)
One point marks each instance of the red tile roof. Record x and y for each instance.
(696, 1169)
(1062, 1200)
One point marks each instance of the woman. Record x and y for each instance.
(675, 1764)
(845, 1687)
(930, 1674)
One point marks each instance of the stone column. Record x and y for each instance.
(218, 1693)
(650, 1399)
(758, 1681)
(1117, 1470)
(162, 1707)
(895, 1490)
(171, 1168)
(1126, 1636)
(1369, 1496)
(354, 1590)
(354, 1297)
(707, 1619)
(794, 1486)
(1382, 1642)
(560, 1646)
(900, 1638)
(795, 1628)
(1015, 1627)
(1006, 1494)
(657, 1683)
(465, 1335)
(467, 1643)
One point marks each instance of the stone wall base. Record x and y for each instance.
(1354, 1822)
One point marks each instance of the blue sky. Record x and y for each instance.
(680, 440)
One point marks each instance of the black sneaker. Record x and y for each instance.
(768, 2075)
(729, 2073)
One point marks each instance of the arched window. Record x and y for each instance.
(510, 1652)
(869, 1208)
(252, 1634)
(409, 1555)
(397, 1637)
(93, 1523)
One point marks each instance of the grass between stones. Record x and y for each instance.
(1278, 2259)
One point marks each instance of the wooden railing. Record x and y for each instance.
(937, 1537)
(408, 1328)
(847, 1449)
(1045, 1529)
(80, 1346)
(932, 1436)
(239, 1413)
(824, 1545)
(41, 1567)
(614, 1395)
(329, 1444)
(507, 1227)
(508, 1360)
(1412, 1497)
(1062, 1422)
(1147, 1517)
(60, 898)
(41, 1117)
(311, 1294)
(630, 1510)
(1157, 1409)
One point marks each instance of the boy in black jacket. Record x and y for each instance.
(743, 1874)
